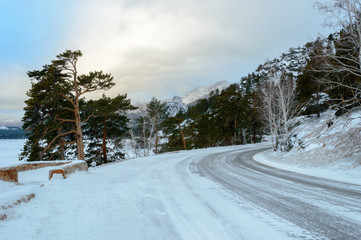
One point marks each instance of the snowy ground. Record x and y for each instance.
(218, 193)
(338, 171)
(318, 145)
(332, 152)
(143, 198)
(9, 151)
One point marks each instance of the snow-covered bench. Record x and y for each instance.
(68, 168)
(10, 174)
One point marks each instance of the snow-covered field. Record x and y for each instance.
(199, 194)
(155, 197)
(9, 151)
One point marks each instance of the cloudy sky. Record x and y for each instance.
(155, 48)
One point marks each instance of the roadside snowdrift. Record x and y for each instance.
(328, 147)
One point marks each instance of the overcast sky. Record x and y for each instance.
(155, 48)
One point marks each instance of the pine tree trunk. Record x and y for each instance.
(235, 131)
(61, 148)
(78, 122)
(184, 141)
(79, 131)
(104, 147)
(254, 134)
(79, 141)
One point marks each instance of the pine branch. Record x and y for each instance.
(69, 109)
(67, 98)
(64, 120)
(48, 147)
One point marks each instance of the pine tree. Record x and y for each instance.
(176, 132)
(79, 85)
(59, 88)
(42, 110)
(107, 125)
(308, 88)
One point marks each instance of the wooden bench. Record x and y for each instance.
(58, 171)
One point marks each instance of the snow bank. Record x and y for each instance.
(338, 171)
(327, 140)
(328, 147)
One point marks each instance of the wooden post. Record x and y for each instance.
(9, 174)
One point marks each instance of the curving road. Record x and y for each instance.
(324, 209)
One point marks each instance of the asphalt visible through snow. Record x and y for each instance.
(325, 209)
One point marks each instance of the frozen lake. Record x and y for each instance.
(10, 150)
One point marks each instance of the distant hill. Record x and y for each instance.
(11, 133)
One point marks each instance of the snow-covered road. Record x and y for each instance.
(218, 193)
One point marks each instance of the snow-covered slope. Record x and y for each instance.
(175, 106)
(292, 61)
(203, 92)
(325, 142)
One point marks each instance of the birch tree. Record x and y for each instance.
(278, 98)
(157, 113)
(285, 90)
(269, 111)
(344, 59)
(146, 130)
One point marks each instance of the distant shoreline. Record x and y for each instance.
(12, 133)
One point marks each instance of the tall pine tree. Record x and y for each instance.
(54, 103)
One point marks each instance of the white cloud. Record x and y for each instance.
(14, 85)
(162, 48)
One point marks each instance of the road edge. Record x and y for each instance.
(334, 172)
